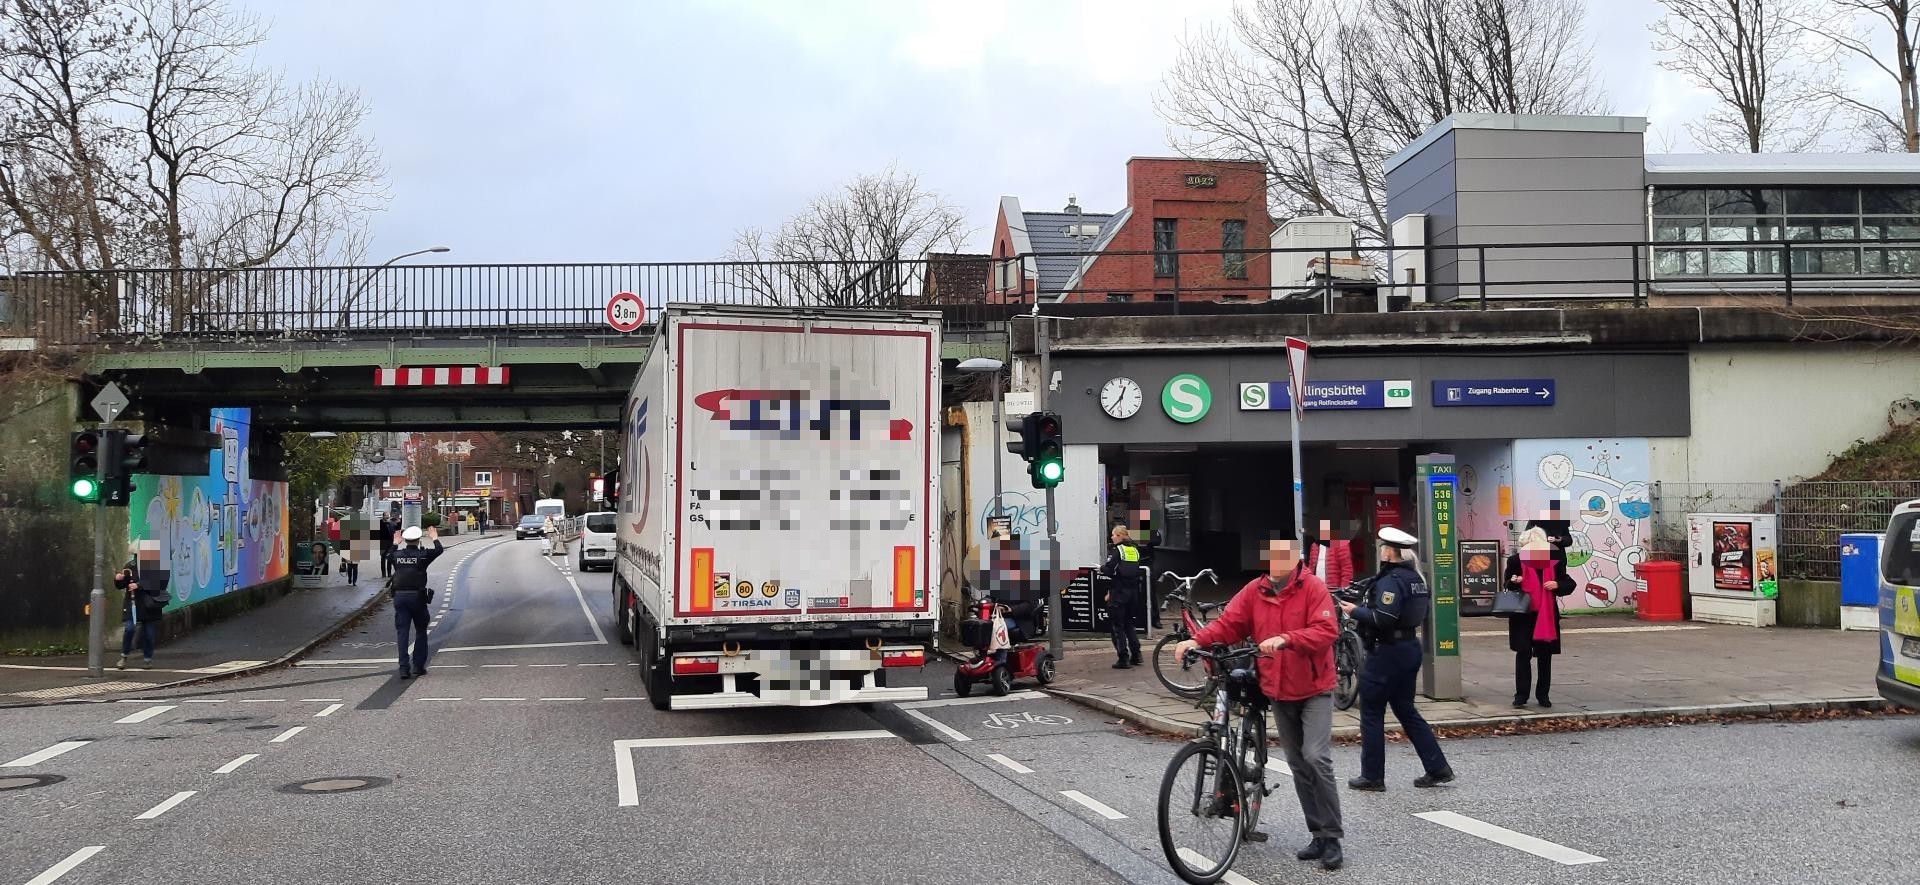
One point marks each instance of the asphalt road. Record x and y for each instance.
(505, 765)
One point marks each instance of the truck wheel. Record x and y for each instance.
(622, 617)
(659, 681)
(962, 686)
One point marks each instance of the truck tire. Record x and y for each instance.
(622, 613)
(653, 665)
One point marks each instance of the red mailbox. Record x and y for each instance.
(1663, 600)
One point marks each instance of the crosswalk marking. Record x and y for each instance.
(1501, 835)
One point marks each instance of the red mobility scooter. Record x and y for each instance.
(1006, 647)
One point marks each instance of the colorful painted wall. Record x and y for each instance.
(1605, 484)
(221, 532)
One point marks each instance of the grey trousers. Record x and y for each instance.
(1305, 729)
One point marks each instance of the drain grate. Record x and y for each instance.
(28, 781)
(327, 785)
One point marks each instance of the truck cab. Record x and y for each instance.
(1899, 676)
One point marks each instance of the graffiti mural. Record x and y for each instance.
(221, 532)
(1603, 486)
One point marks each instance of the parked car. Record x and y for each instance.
(597, 534)
(530, 527)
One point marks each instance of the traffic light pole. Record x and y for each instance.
(1056, 619)
(97, 600)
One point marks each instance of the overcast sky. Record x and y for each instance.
(518, 132)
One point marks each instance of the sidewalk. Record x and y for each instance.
(1612, 668)
(254, 639)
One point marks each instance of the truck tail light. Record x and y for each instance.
(695, 666)
(906, 657)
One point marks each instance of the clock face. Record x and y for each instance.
(1120, 398)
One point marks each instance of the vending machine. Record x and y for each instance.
(1733, 567)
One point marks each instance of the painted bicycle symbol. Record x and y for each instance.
(1015, 720)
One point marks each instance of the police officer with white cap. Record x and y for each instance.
(412, 597)
(1389, 623)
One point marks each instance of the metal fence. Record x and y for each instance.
(1812, 516)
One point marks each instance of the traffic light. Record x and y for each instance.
(1047, 459)
(83, 466)
(123, 455)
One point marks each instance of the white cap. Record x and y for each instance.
(1393, 537)
(412, 534)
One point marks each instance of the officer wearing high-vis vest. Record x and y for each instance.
(1127, 582)
(411, 598)
(1389, 624)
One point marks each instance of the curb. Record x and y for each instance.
(335, 629)
(1167, 726)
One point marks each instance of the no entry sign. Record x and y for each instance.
(625, 312)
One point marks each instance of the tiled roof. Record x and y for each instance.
(1046, 230)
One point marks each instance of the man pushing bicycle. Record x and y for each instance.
(1289, 612)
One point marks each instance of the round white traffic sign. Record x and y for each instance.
(625, 312)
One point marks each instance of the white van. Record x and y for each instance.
(598, 531)
(553, 507)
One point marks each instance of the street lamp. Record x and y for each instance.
(986, 365)
(346, 305)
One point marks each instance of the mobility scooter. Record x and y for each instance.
(1004, 641)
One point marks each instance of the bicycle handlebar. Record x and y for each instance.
(1190, 579)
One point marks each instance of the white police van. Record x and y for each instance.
(1899, 675)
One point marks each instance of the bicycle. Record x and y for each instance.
(1349, 655)
(1180, 677)
(1216, 783)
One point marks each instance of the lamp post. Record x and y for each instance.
(346, 304)
(986, 365)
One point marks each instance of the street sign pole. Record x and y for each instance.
(1297, 389)
(108, 404)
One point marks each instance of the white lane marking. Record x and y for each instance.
(234, 766)
(1015, 766)
(64, 867)
(563, 699)
(327, 711)
(450, 666)
(40, 756)
(166, 806)
(951, 702)
(526, 645)
(203, 700)
(144, 715)
(346, 661)
(623, 750)
(288, 734)
(263, 700)
(938, 726)
(598, 665)
(1555, 852)
(319, 700)
(641, 698)
(1094, 805)
(499, 665)
(1200, 860)
(439, 699)
(592, 621)
(503, 699)
(549, 665)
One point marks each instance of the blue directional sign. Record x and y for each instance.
(1498, 392)
(1258, 396)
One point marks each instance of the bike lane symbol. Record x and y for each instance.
(1015, 720)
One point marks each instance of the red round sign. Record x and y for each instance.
(625, 312)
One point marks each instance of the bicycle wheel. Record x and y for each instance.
(1200, 813)
(1347, 655)
(1249, 752)
(1186, 678)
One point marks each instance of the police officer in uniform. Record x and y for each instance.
(1127, 582)
(1389, 624)
(412, 597)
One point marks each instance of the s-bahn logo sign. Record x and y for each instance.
(1186, 398)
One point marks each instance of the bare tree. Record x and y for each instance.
(1323, 92)
(1857, 28)
(140, 133)
(1753, 56)
(859, 246)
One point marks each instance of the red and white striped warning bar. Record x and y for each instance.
(440, 376)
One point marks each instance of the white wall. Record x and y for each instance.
(1081, 517)
(1782, 411)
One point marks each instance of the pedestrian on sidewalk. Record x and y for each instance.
(484, 522)
(1389, 624)
(412, 597)
(1126, 583)
(1532, 638)
(1289, 612)
(1330, 557)
(389, 533)
(145, 581)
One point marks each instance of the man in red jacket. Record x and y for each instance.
(1289, 612)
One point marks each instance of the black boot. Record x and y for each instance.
(1121, 664)
(1314, 850)
(1370, 786)
(1444, 776)
(1332, 857)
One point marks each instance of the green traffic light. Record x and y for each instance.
(85, 489)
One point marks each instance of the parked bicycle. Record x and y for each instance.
(1185, 678)
(1349, 655)
(1211, 795)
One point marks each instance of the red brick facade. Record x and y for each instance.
(1199, 197)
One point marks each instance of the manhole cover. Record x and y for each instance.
(28, 781)
(335, 785)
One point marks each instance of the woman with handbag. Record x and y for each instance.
(1536, 579)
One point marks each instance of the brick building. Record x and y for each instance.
(1172, 205)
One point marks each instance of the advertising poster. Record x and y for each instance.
(221, 532)
(1480, 568)
(1386, 508)
(1733, 556)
